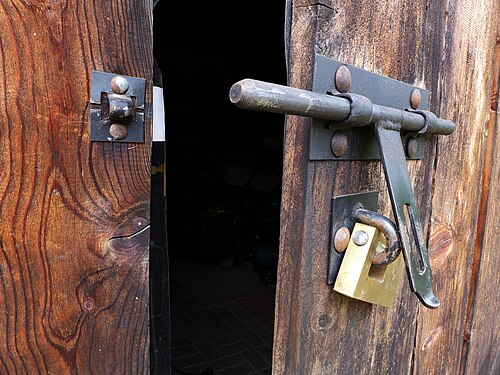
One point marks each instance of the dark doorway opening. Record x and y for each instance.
(223, 182)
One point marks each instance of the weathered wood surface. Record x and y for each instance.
(449, 50)
(467, 82)
(75, 214)
(481, 352)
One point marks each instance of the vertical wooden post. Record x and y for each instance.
(75, 215)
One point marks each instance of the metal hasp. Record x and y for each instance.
(347, 210)
(405, 212)
(391, 114)
(343, 218)
(117, 108)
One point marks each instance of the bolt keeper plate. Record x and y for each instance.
(361, 141)
(342, 216)
(99, 124)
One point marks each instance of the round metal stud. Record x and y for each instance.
(412, 148)
(339, 143)
(341, 239)
(119, 85)
(360, 238)
(343, 79)
(415, 98)
(118, 131)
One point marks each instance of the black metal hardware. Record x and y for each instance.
(374, 117)
(345, 110)
(405, 212)
(343, 215)
(117, 108)
(372, 98)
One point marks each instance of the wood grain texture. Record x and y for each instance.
(75, 214)
(448, 51)
(482, 337)
(464, 81)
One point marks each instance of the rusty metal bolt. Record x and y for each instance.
(118, 131)
(412, 148)
(341, 239)
(343, 79)
(119, 85)
(339, 143)
(415, 98)
(360, 238)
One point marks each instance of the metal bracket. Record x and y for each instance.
(333, 141)
(117, 108)
(343, 210)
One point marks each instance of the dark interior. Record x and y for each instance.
(213, 268)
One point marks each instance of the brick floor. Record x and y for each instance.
(227, 336)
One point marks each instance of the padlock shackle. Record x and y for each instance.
(388, 229)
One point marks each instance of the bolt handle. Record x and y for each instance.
(405, 212)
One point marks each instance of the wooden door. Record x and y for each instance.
(452, 50)
(75, 213)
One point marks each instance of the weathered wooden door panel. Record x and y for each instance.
(75, 214)
(481, 354)
(448, 49)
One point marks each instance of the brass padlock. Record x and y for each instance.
(359, 278)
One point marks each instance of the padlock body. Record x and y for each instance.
(358, 279)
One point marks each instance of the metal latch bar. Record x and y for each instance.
(405, 211)
(269, 97)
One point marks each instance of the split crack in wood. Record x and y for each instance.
(130, 236)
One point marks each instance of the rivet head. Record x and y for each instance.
(339, 143)
(360, 238)
(415, 98)
(343, 79)
(412, 148)
(118, 131)
(119, 85)
(341, 239)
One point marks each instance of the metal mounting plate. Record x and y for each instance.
(343, 208)
(380, 90)
(99, 125)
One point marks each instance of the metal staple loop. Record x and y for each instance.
(388, 229)
(431, 125)
(390, 125)
(361, 110)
